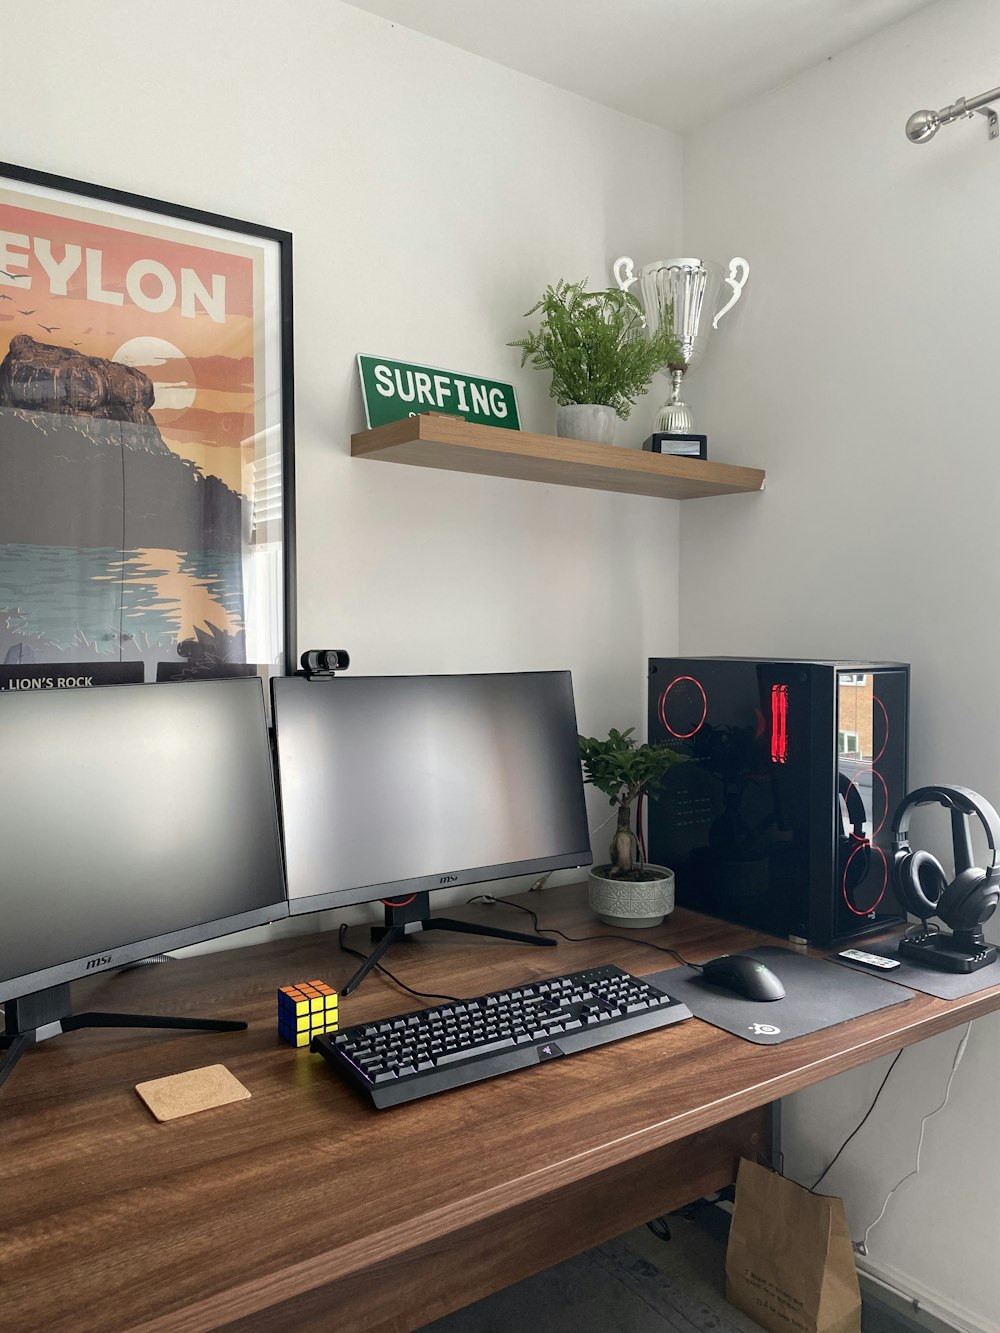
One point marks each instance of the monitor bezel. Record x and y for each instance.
(331, 899)
(29, 983)
(90, 965)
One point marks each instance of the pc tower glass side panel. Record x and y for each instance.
(777, 818)
(871, 772)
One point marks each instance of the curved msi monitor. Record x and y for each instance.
(133, 818)
(394, 785)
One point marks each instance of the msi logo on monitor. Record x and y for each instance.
(102, 961)
(448, 879)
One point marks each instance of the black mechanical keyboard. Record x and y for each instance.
(413, 1055)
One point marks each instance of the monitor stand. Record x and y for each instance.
(413, 916)
(963, 951)
(47, 1013)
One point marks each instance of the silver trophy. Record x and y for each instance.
(685, 291)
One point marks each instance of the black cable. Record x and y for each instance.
(582, 939)
(539, 930)
(421, 995)
(925, 928)
(812, 1187)
(628, 939)
(147, 962)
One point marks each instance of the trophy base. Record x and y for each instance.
(683, 445)
(674, 419)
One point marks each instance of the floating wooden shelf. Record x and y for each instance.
(449, 442)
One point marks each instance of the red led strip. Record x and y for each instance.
(779, 724)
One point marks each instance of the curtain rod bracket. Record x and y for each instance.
(992, 120)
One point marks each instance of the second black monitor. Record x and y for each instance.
(133, 819)
(392, 785)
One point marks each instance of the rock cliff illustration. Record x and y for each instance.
(82, 462)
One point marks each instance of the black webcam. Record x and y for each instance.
(324, 661)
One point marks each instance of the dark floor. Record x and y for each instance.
(641, 1284)
(636, 1284)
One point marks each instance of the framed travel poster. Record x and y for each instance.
(146, 416)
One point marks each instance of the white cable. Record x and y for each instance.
(861, 1247)
(613, 815)
(540, 882)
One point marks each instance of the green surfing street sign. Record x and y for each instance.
(393, 390)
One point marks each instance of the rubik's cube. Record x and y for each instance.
(305, 1010)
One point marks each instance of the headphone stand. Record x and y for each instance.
(963, 951)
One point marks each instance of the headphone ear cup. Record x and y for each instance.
(854, 849)
(921, 881)
(968, 902)
(855, 860)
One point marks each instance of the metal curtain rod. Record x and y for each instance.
(923, 125)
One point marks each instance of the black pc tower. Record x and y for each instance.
(780, 818)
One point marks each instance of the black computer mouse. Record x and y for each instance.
(743, 975)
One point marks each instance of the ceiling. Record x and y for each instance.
(675, 63)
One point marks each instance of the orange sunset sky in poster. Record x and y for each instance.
(143, 293)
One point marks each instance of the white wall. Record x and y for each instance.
(860, 369)
(432, 195)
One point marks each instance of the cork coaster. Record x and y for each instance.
(197, 1090)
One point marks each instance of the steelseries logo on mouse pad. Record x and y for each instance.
(549, 1051)
(764, 1030)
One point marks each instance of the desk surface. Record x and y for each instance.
(303, 1208)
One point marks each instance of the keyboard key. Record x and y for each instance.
(450, 1057)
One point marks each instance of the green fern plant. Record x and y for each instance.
(595, 346)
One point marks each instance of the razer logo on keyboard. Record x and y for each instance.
(447, 879)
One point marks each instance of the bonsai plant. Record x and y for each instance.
(628, 891)
(596, 347)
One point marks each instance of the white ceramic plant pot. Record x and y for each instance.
(587, 421)
(636, 905)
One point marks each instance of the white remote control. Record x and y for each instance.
(871, 959)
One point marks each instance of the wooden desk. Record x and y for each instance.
(303, 1208)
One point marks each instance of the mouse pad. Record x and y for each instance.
(818, 995)
(929, 980)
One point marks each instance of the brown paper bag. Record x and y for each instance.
(790, 1265)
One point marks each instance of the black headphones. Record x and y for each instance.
(970, 899)
(855, 848)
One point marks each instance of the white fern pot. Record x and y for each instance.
(587, 421)
(634, 904)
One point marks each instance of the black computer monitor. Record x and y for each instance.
(133, 819)
(392, 786)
